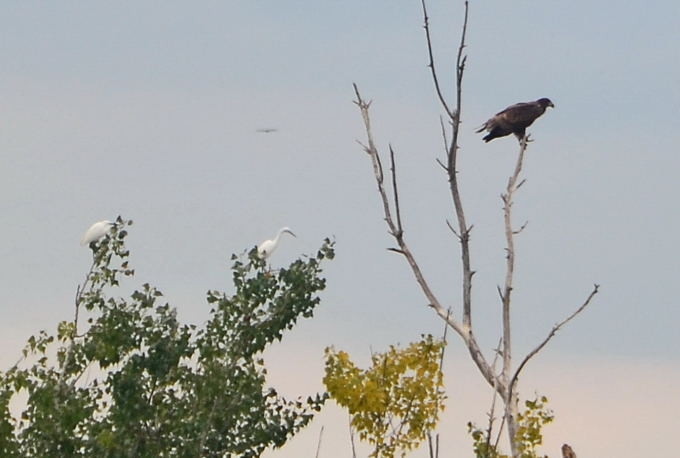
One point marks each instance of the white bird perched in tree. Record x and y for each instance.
(266, 248)
(96, 232)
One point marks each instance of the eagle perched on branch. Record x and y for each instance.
(515, 119)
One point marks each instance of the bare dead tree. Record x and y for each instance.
(503, 382)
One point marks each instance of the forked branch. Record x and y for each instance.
(451, 167)
(394, 224)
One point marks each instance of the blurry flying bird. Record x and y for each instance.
(266, 248)
(95, 233)
(266, 130)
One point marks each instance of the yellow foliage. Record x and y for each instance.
(395, 402)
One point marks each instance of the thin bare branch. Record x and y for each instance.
(364, 147)
(515, 232)
(507, 199)
(397, 209)
(446, 329)
(552, 333)
(430, 64)
(453, 229)
(351, 438)
(318, 445)
(80, 290)
(500, 433)
(79, 294)
(500, 293)
(519, 185)
(444, 137)
(433, 445)
(492, 415)
(394, 225)
(446, 144)
(452, 170)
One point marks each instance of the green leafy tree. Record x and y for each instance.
(394, 403)
(138, 383)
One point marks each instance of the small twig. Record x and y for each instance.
(429, 445)
(364, 147)
(318, 445)
(515, 232)
(500, 432)
(393, 168)
(493, 401)
(446, 144)
(79, 294)
(443, 127)
(446, 328)
(430, 64)
(78, 299)
(453, 229)
(351, 438)
(519, 185)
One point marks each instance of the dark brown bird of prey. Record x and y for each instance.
(515, 119)
(568, 452)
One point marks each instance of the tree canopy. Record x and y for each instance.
(136, 382)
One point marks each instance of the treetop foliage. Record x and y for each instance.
(397, 401)
(139, 383)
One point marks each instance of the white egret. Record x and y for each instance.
(266, 248)
(96, 232)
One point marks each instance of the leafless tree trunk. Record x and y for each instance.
(504, 382)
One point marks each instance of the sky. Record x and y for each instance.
(149, 110)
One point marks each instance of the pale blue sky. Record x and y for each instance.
(149, 110)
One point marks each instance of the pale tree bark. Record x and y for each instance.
(504, 381)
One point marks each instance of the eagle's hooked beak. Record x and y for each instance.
(551, 105)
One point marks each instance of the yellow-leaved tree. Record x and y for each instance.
(395, 402)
